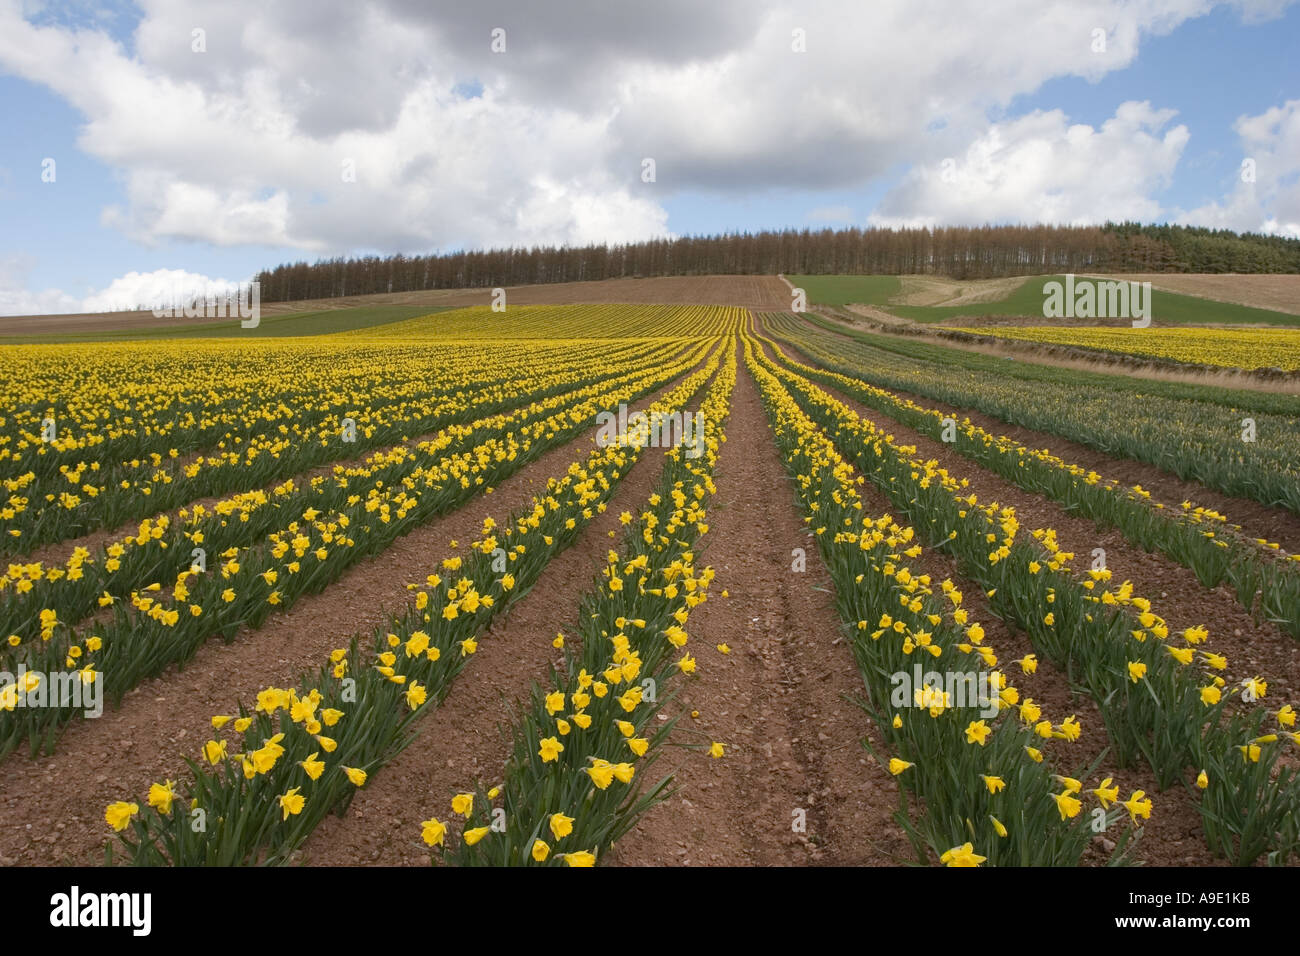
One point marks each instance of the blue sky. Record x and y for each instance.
(176, 165)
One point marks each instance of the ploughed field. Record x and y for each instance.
(619, 584)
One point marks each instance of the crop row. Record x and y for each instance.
(1242, 444)
(269, 443)
(274, 770)
(155, 630)
(161, 548)
(1157, 706)
(575, 780)
(1264, 578)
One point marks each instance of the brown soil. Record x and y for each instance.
(1257, 520)
(1278, 292)
(756, 291)
(1173, 836)
(1251, 648)
(792, 741)
(466, 740)
(776, 701)
(52, 809)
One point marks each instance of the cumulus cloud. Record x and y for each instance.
(1041, 168)
(17, 299)
(161, 288)
(1266, 193)
(335, 127)
(332, 126)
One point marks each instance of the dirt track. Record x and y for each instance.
(1278, 292)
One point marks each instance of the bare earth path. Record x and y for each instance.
(776, 701)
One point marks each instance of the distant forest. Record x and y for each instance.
(957, 251)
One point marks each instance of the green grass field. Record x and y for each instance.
(841, 290)
(1027, 300)
(278, 326)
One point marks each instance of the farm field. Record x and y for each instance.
(937, 300)
(341, 313)
(1279, 292)
(1229, 348)
(641, 584)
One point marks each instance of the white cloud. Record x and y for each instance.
(17, 299)
(1260, 11)
(244, 144)
(1040, 168)
(1266, 194)
(160, 288)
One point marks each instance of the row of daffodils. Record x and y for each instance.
(1162, 696)
(320, 533)
(1264, 579)
(273, 770)
(584, 744)
(131, 560)
(173, 432)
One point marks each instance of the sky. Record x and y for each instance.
(164, 147)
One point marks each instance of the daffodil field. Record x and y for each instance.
(981, 780)
(1264, 578)
(1193, 431)
(247, 790)
(1230, 348)
(562, 797)
(201, 535)
(404, 487)
(1162, 700)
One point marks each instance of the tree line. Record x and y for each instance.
(961, 252)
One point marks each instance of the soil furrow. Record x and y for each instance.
(795, 785)
(466, 739)
(1253, 648)
(165, 719)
